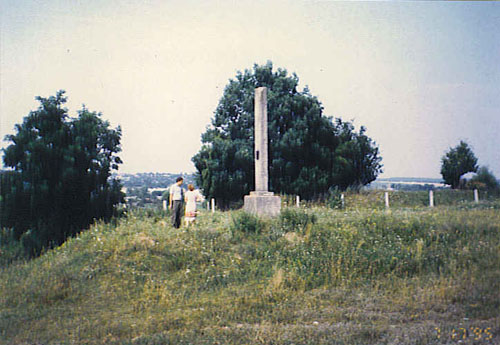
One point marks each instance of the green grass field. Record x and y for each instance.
(315, 275)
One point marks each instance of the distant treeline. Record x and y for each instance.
(411, 179)
(414, 187)
(153, 180)
(150, 189)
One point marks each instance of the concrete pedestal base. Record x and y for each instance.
(262, 204)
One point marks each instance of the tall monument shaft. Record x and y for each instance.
(261, 201)
(261, 141)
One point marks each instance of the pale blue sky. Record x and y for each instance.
(421, 76)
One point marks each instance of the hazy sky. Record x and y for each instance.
(421, 76)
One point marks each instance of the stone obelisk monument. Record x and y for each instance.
(261, 201)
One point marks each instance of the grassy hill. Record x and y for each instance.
(362, 275)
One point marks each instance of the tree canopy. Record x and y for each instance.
(458, 161)
(308, 153)
(60, 178)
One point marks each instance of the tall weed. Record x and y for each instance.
(293, 219)
(246, 223)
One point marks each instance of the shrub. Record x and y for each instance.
(484, 180)
(10, 249)
(333, 198)
(295, 219)
(245, 222)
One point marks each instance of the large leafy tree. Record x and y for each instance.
(60, 178)
(308, 152)
(458, 161)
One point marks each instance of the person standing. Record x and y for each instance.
(192, 196)
(176, 201)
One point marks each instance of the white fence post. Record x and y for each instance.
(342, 199)
(387, 199)
(213, 205)
(476, 195)
(297, 201)
(164, 205)
(431, 198)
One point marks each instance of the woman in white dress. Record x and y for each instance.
(191, 197)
